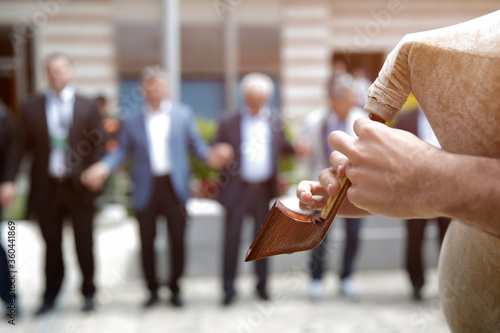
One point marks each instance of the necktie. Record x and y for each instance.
(59, 140)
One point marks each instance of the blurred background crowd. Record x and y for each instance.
(249, 91)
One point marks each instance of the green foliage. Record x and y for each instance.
(200, 171)
(16, 211)
(286, 164)
(207, 128)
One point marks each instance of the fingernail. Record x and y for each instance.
(338, 169)
(301, 196)
(328, 188)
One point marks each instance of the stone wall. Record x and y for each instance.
(81, 29)
(313, 30)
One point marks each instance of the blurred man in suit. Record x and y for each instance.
(249, 182)
(339, 116)
(6, 294)
(62, 131)
(416, 123)
(159, 138)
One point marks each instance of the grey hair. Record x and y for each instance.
(55, 55)
(258, 81)
(153, 71)
(339, 85)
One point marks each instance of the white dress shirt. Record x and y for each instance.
(256, 150)
(425, 131)
(158, 134)
(59, 115)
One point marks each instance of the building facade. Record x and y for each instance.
(294, 41)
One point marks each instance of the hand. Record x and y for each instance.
(95, 176)
(302, 147)
(311, 195)
(314, 195)
(7, 193)
(220, 155)
(393, 173)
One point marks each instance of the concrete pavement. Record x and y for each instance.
(384, 306)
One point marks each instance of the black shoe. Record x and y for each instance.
(88, 304)
(228, 298)
(176, 299)
(46, 307)
(417, 296)
(152, 300)
(262, 293)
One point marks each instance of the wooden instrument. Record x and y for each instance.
(286, 231)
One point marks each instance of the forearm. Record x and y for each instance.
(395, 174)
(467, 188)
(114, 159)
(117, 157)
(196, 143)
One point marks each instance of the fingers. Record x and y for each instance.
(344, 143)
(7, 193)
(360, 123)
(329, 180)
(93, 185)
(95, 176)
(227, 153)
(223, 149)
(341, 142)
(339, 163)
(307, 189)
(86, 177)
(220, 155)
(311, 195)
(314, 195)
(89, 181)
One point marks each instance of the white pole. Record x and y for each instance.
(230, 59)
(170, 35)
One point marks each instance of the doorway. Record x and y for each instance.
(371, 63)
(16, 67)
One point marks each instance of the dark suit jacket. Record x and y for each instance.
(230, 182)
(4, 121)
(4, 131)
(408, 121)
(85, 145)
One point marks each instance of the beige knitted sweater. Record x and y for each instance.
(454, 73)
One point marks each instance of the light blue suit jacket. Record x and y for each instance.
(133, 142)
